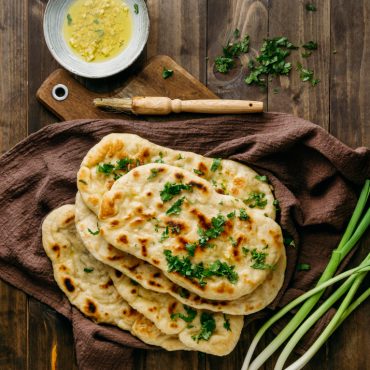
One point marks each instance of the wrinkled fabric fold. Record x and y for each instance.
(316, 179)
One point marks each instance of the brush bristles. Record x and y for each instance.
(114, 104)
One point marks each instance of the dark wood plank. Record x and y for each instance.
(178, 29)
(250, 17)
(350, 122)
(13, 128)
(291, 19)
(50, 339)
(40, 65)
(49, 335)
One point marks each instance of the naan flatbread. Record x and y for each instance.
(152, 278)
(87, 284)
(226, 176)
(226, 267)
(164, 311)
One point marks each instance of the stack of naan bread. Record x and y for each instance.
(169, 245)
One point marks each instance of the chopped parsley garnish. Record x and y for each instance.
(175, 209)
(216, 164)
(160, 159)
(256, 200)
(198, 172)
(165, 235)
(94, 232)
(303, 267)
(166, 73)
(259, 259)
(262, 178)
(124, 163)
(88, 269)
(270, 62)
(311, 7)
(191, 314)
(231, 215)
(106, 168)
(288, 240)
(276, 204)
(245, 251)
(69, 19)
(225, 62)
(172, 189)
(233, 241)
(310, 45)
(208, 326)
(191, 247)
(83, 182)
(213, 232)
(306, 75)
(153, 173)
(136, 8)
(243, 214)
(198, 271)
(227, 323)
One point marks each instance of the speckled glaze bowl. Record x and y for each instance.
(54, 16)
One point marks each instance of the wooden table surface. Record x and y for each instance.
(192, 32)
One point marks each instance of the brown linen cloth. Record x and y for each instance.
(316, 178)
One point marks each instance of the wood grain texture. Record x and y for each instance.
(250, 17)
(291, 19)
(178, 29)
(13, 128)
(350, 122)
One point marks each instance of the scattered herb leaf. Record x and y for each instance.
(153, 174)
(231, 215)
(303, 267)
(160, 159)
(259, 259)
(175, 209)
(166, 73)
(276, 204)
(69, 19)
(172, 189)
(88, 269)
(310, 45)
(227, 323)
(136, 8)
(198, 172)
(165, 235)
(233, 241)
(191, 314)
(216, 164)
(94, 232)
(208, 326)
(243, 214)
(262, 178)
(245, 251)
(306, 75)
(288, 240)
(256, 199)
(311, 7)
(191, 247)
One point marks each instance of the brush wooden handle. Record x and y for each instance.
(163, 106)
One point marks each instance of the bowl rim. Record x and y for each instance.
(109, 73)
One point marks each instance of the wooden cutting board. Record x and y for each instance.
(148, 82)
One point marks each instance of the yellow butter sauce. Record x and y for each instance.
(97, 30)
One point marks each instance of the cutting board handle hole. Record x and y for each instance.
(60, 92)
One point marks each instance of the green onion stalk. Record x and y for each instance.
(352, 234)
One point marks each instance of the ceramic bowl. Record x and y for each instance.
(54, 17)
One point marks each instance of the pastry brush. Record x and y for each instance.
(162, 106)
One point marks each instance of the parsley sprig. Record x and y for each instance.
(224, 63)
(256, 199)
(306, 75)
(122, 165)
(208, 326)
(270, 61)
(191, 314)
(172, 189)
(198, 271)
(259, 259)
